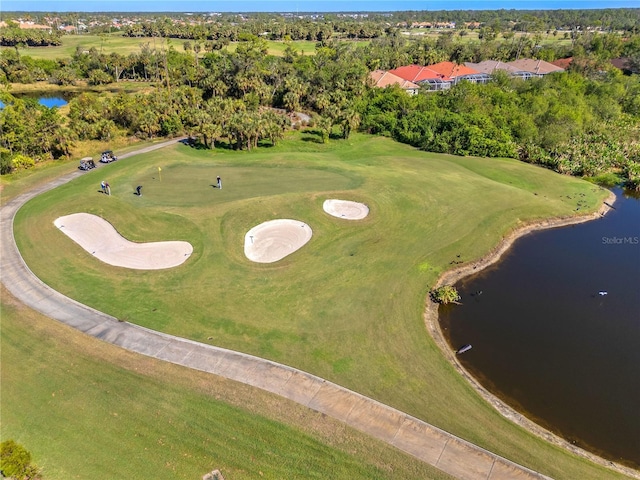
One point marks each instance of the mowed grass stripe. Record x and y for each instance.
(85, 409)
(348, 306)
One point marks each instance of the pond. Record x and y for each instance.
(50, 100)
(555, 330)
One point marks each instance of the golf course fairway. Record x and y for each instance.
(347, 307)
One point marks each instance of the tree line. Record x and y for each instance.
(565, 121)
(14, 36)
(583, 122)
(591, 51)
(159, 59)
(282, 30)
(228, 27)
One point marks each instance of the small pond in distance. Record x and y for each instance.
(49, 100)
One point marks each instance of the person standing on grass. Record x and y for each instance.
(103, 187)
(106, 185)
(219, 182)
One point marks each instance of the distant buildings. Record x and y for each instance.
(441, 76)
(436, 25)
(28, 26)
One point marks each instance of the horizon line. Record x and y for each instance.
(302, 12)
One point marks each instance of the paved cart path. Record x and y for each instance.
(443, 450)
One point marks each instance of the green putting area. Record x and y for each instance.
(348, 306)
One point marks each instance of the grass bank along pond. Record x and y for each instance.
(555, 329)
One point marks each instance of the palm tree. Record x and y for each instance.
(186, 46)
(275, 126)
(296, 89)
(324, 125)
(197, 47)
(349, 120)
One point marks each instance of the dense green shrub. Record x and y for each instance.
(15, 462)
(99, 77)
(445, 294)
(567, 122)
(20, 162)
(608, 179)
(6, 165)
(632, 175)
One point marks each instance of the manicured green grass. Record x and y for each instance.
(107, 44)
(122, 45)
(118, 43)
(303, 47)
(17, 182)
(277, 48)
(85, 409)
(348, 306)
(473, 36)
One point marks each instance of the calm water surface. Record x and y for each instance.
(546, 341)
(49, 101)
(52, 101)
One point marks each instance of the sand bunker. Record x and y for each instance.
(272, 241)
(100, 239)
(346, 209)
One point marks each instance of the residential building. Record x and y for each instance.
(538, 68)
(488, 67)
(456, 72)
(430, 79)
(382, 79)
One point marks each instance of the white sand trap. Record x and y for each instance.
(100, 239)
(346, 209)
(272, 241)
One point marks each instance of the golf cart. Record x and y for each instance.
(87, 163)
(108, 157)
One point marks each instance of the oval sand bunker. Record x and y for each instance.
(102, 240)
(273, 240)
(346, 209)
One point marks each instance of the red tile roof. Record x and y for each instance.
(452, 70)
(416, 73)
(382, 78)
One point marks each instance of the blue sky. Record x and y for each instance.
(299, 5)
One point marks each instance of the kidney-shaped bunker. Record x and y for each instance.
(100, 239)
(273, 240)
(346, 209)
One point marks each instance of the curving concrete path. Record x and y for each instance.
(443, 450)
